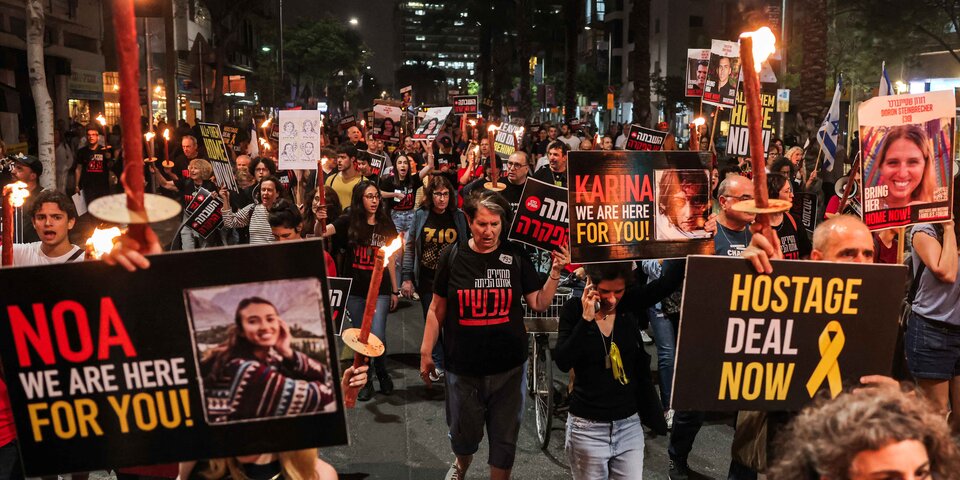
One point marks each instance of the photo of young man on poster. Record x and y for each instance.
(683, 202)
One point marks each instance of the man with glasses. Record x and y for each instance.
(518, 167)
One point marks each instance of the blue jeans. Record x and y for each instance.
(666, 340)
(602, 450)
(426, 297)
(356, 304)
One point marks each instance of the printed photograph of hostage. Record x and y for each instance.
(683, 204)
(269, 361)
(905, 168)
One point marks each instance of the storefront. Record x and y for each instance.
(84, 95)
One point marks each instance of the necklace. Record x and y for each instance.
(606, 352)
(723, 231)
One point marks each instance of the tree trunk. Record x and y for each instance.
(523, 45)
(812, 94)
(41, 96)
(483, 64)
(224, 38)
(571, 33)
(640, 61)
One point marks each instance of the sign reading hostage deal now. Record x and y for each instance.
(627, 205)
(542, 218)
(751, 341)
(110, 371)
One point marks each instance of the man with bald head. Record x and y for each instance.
(243, 162)
(842, 238)
(733, 227)
(355, 136)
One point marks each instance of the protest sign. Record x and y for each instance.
(720, 88)
(505, 142)
(465, 105)
(106, 367)
(338, 292)
(406, 97)
(783, 100)
(347, 122)
(299, 139)
(542, 219)
(216, 151)
(738, 135)
(698, 61)
(804, 209)
(203, 212)
(377, 162)
(431, 124)
(230, 137)
(643, 138)
(633, 205)
(907, 169)
(386, 123)
(750, 341)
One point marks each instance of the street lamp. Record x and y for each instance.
(354, 21)
(265, 48)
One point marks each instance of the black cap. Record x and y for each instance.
(32, 162)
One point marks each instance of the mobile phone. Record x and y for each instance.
(596, 306)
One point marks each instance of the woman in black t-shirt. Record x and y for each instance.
(794, 242)
(363, 229)
(476, 306)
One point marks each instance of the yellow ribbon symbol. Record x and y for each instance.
(828, 369)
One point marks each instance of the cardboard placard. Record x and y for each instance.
(542, 219)
(106, 367)
(204, 216)
(216, 151)
(466, 105)
(644, 139)
(347, 122)
(432, 123)
(631, 205)
(907, 147)
(338, 292)
(720, 88)
(406, 97)
(804, 209)
(230, 137)
(738, 136)
(506, 140)
(751, 341)
(377, 162)
(386, 123)
(299, 139)
(698, 61)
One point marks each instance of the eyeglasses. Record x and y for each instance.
(741, 198)
(371, 196)
(517, 165)
(441, 194)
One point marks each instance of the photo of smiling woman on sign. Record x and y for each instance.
(906, 167)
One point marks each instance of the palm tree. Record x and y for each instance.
(811, 97)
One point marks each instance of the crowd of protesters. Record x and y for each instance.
(436, 197)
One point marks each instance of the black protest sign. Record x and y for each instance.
(338, 291)
(347, 122)
(465, 105)
(542, 218)
(738, 136)
(506, 140)
(204, 213)
(804, 209)
(633, 205)
(230, 137)
(216, 150)
(377, 162)
(751, 341)
(107, 367)
(643, 138)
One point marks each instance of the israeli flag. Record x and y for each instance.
(829, 132)
(886, 88)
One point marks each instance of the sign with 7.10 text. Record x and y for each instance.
(750, 341)
(107, 367)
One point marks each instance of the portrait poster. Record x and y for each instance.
(542, 218)
(750, 341)
(106, 367)
(906, 143)
(432, 123)
(466, 105)
(216, 152)
(338, 291)
(406, 97)
(720, 88)
(203, 213)
(386, 123)
(738, 135)
(627, 205)
(299, 139)
(643, 138)
(698, 63)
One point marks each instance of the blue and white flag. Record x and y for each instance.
(886, 88)
(829, 132)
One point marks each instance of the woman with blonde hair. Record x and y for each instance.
(905, 163)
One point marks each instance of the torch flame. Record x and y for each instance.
(492, 128)
(472, 122)
(519, 133)
(102, 241)
(102, 121)
(266, 123)
(265, 144)
(18, 193)
(764, 45)
(391, 248)
(363, 123)
(166, 134)
(149, 136)
(699, 121)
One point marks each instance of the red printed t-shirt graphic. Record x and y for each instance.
(483, 332)
(361, 257)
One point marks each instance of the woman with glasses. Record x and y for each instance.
(364, 228)
(793, 241)
(437, 223)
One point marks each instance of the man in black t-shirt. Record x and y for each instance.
(556, 172)
(92, 166)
